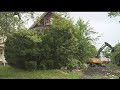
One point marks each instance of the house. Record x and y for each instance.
(2, 58)
(44, 21)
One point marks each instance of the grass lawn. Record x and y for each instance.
(8, 72)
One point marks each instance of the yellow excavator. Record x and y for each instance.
(96, 60)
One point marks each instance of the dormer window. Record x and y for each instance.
(47, 21)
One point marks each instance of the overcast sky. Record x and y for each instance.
(101, 23)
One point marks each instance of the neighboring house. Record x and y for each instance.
(2, 58)
(44, 21)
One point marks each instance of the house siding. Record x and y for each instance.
(2, 58)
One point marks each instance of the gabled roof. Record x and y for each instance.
(41, 17)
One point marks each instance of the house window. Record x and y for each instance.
(46, 21)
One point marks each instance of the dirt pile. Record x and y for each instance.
(101, 73)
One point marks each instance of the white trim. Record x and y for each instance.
(38, 20)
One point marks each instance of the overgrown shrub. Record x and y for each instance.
(30, 65)
(21, 46)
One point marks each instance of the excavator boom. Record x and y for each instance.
(103, 46)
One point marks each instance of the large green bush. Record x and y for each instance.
(21, 46)
(63, 44)
(30, 65)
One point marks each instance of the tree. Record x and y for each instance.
(113, 14)
(116, 55)
(69, 44)
(85, 41)
(59, 43)
(12, 21)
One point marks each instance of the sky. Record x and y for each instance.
(108, 27)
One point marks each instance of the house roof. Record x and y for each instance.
(41, 17)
